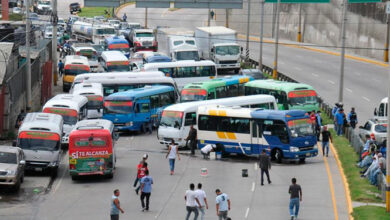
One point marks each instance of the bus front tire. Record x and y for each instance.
(277, 155)
(110, 176)
(302, 160)
(74, 177)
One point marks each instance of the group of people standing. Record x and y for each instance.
(341, 120)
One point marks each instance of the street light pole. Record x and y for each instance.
(299, 38)
(386, 56)
(28, 58)
(146, 17)
(54, 41)
(275, 70)
(388, 151)
(247, 31)
(344, 21)
(261, 35)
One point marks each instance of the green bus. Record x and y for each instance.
(288, 95)
(231, 86)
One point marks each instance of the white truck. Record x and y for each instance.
(43, 7)
(178, 43)
(219, 44)
(87, 32)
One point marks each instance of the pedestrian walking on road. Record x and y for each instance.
(60, 67)
(265, 166)
(352, 118)
(201, 195)
(144, 158)
(124, 18)
(326, 136)
(192, 135)
(141, 172)
(146, 190)
(115, 206)
(173, 152)
(222, 205)
(339, 120)
(212, 13)
(295, 192)
(318, 125)
(192, 202)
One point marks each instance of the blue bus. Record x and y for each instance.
(118, 44)
(284, 134)
(138, 109)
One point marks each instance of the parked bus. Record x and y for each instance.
(91, 148)
(72, 108)
(115, 61)
(87, 51)
(74, 65)
(214, 89)
(118, 84)
(285, 134)
(185, 71)
(117, 44)
(40, 138)
(381, 111)
(94, 94)
(288, 95)
(176, 119)
(138, 109)
(80, 78)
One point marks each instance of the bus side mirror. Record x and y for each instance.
(116, 136)
(212, 50)
(241, 49)
(375, 112)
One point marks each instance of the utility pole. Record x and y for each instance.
(227, 18)
(261, 35)
(299, 37)
(388, 151)
(275, 71)
(386, 55)
(209, 17)
(344, 21)
(28, 58)
(54, 21)
(247, 31)
(146, 17)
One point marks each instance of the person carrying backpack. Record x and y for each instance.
(352, 118)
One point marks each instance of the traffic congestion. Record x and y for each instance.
(128, 93)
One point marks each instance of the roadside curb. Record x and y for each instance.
(312, 48)
(344, 179)
(121, 7)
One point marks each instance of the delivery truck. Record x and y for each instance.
(178, 43)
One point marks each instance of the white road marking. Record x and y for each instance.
(365, 98)
(298, 68)
(349, 90)
(247, 213)
(255, 165)
(63, 174)
(330, 81)
(357, 73)
(253, 186)
(314, 74)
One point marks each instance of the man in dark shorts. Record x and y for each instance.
(295, 192)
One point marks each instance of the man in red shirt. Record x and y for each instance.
(141, 168)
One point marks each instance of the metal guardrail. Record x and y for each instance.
(352, 136)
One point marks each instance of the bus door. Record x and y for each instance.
(258, 142)
(142, 111)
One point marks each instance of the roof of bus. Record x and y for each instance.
(240, 100)
(113, 55)
(79, 48)
(76, 59)
(135, 80)
(140, 92)
(218, 110)
(88, 89)
(158, 58)
(278, 85)
(210, 84)
(183, 63)
(40, 121)
(385, 100)
(87, 76)
(70, 101)
(279, 115)
(116, 40)
(94, 124)
(143, 31)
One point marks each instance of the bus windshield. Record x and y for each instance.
(301, 127)
(90, 54)
(69, 115)
(118, 66)
(189, 95)
(119, 47)
(37, 140)
(94, 102)
(227, 50)
(76, 69)
(118, 107)
(302, 97)
(147, 34)
(171, 119)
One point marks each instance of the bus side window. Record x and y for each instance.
(381, 110)
(211, 95)
(277, 128)
(241, 89)
(172, 97)
(190, 119)
(232, 90)
(165, 99)
(221, 93)
(144, 108)
(207, 123)
(154, 101)
(257, 129)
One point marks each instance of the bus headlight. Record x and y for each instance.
(294, 149)
(129, 123)
(315, 147)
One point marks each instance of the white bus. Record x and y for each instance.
(94, 94)
(381, 111)
(115, 61)
(186, 71)
(120, 84)
(176, 119)
(80, 78)
(72, 108)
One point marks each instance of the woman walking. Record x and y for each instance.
(173, 152)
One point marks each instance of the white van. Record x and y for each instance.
(72, 108)
(89, 52)
(176, 119)
(381, 111)
(94, 94)
(115, 61)
(40, 138)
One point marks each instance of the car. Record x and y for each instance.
(99, 49)
(61, 22)
(74, 7)
(48, 33)
(376, 128)
(17, 10)
(114, 23)
(12, 166)
(43, 7)
(34, 17)
(255, 73)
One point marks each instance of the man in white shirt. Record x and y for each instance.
(207, 149)
(222, 205)
(201, 195)
(192, 202)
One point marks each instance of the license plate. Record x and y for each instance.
(38, 169)
(307, 154)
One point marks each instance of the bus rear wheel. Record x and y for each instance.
(277, 155)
